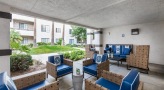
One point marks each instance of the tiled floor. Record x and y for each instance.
(152, 81)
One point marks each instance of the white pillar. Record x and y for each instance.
(4, 38)
(89, 36)
(97, 40)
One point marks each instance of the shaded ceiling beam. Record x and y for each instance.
(28, 13)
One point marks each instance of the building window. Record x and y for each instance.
(71, 41)
(45, 28)
(58, 30)
(57, 40)
(70, 31)
(45, 40)
(25, 41)
(93, 36)
(23, 26)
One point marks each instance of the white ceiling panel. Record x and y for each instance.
(67, 9)
(161, 10)
(128, 12)
(21, 4)
(95, 13)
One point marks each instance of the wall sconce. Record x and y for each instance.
(135, 31)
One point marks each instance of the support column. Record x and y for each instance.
(63, 34)
(89, 36)
(35, 44)
(52, 38)
(98, 41)
(5, 52)
(94, 37)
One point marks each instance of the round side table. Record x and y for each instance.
(77, 82)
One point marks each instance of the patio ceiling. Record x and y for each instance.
(93, 13)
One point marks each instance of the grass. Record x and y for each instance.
(51, 49)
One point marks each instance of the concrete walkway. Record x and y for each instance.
(43, 57)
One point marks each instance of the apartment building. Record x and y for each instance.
(34, 30)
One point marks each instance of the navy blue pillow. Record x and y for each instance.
(57, 60)
(126, 51)
(99, 59)
(94, 57)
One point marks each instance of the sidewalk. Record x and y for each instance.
(43, 57)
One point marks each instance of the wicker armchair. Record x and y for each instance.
(90, 67)
(27, 82)
(114, 80)
(35, 81)
(66, 67)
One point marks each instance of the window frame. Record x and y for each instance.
(58, 30)
(70, 31)
(72, 41)
(23, 26)
(45, 40)
(45, 28)
(25, 40)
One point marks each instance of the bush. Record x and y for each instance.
(30, 45)
(71, 45)
(81, 46)
(59, 42)
(24, 48)
(43, 43)
(74, 55)
(20, 62)
(66, 55)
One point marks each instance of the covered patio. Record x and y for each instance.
(107, 22)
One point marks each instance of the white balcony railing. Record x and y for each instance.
(26, 32)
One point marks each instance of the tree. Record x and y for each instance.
(79, 33)
(15, 39)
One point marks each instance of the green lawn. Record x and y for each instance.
(51, 49)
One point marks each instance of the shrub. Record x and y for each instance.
(59, 42)
(30, 45)
(24, 48)
(81, 46)
(71, 45)
(43, 43)
(20, 62)
(74, 55)
(66, 55)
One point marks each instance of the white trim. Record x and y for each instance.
(123, 79)
(134, 80)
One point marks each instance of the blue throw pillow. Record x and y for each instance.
(117, 49)
(126, 52)
(99, 59)
(57, 60)
(94, 57)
